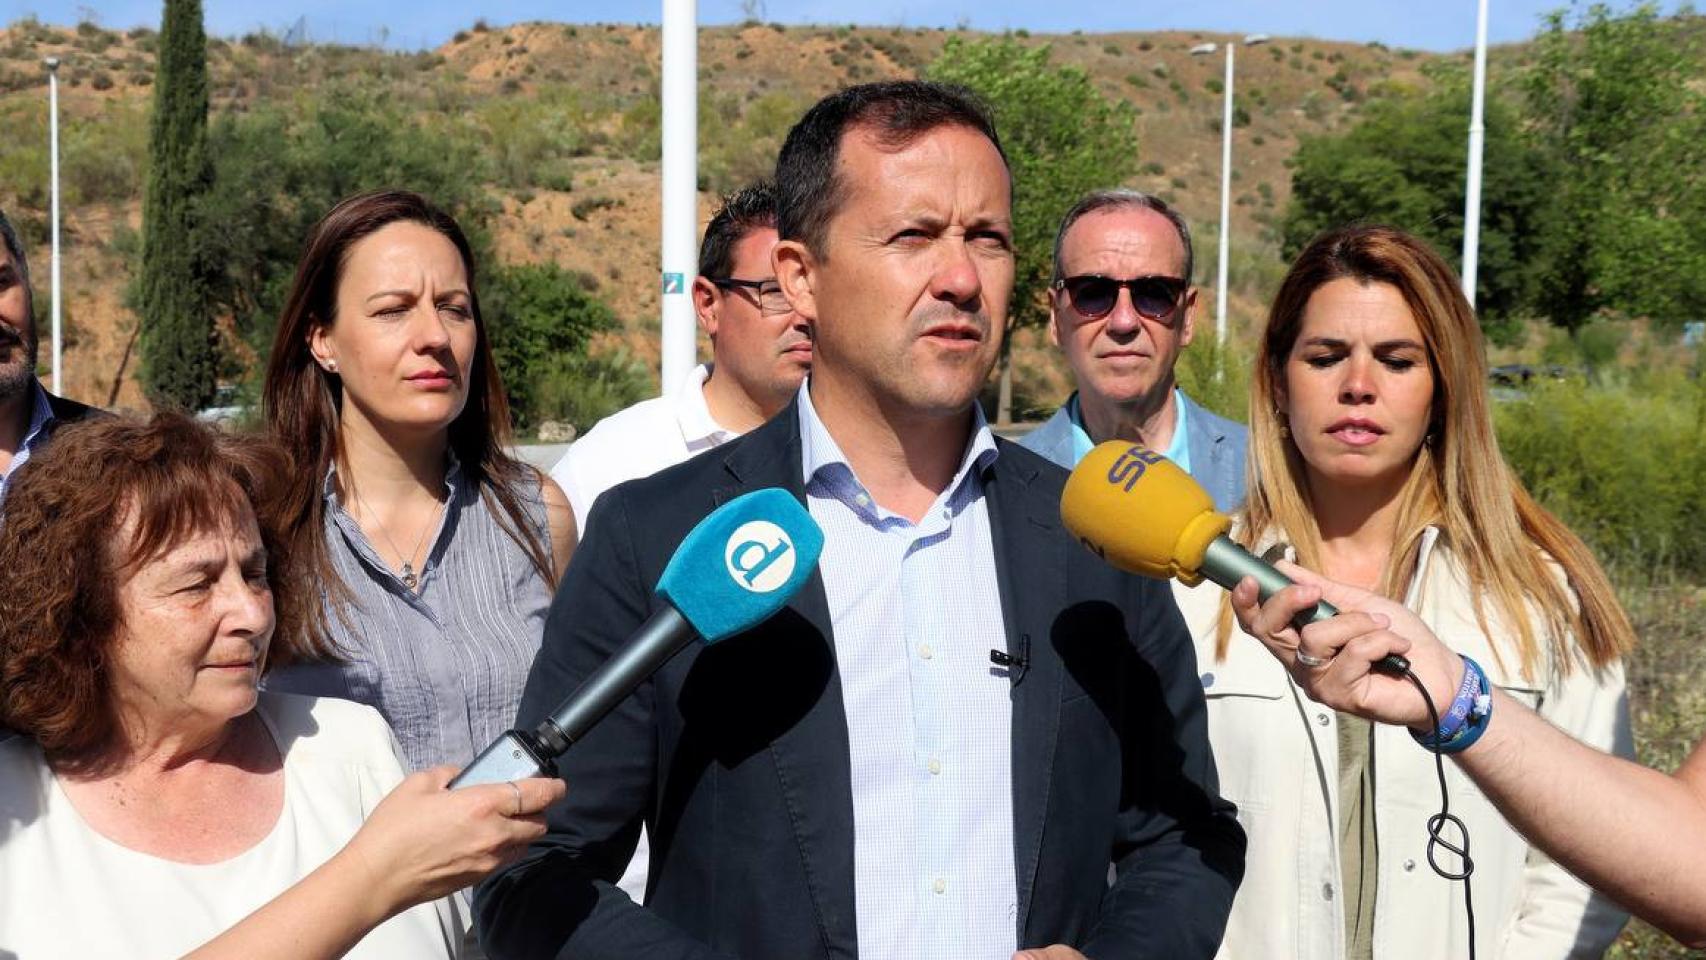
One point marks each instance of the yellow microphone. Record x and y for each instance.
(1138, 511)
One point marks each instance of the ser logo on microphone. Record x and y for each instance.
(759, 555)
(1128, 469)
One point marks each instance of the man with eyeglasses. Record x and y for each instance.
(1121, 308)
(760, 352)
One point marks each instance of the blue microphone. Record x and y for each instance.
(734, 570)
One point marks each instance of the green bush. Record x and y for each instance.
(534, 316)
(1216, 377)
(1623, 463)
(582, 389)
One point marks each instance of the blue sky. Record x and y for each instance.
(1435, 25)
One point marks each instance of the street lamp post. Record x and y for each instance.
(52, 64)
(680, 175)
(1225, 183)
(1477, 136)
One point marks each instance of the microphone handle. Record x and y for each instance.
(519, 754)
(1226, 563)
(661, 637)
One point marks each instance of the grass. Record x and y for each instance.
(1667, 701)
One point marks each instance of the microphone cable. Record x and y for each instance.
(1438, 822)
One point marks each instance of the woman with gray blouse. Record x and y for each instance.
(437, 553)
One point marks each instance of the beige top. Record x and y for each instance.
(71, 892)
(1278, 756)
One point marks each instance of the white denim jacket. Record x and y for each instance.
(1277, 753)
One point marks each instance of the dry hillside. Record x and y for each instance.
(597, 210)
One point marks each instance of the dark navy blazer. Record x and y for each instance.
(735, 756)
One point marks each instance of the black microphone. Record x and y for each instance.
(735, 569)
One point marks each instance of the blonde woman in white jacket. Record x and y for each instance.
(1373, 460)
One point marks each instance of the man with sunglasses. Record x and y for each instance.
(1122, 308)
(760, 349)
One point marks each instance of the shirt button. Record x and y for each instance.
(1409, 865)
(935, 765)
(1320, 719)
(1327, 892)
(924, 651)
(1207, 680)
(940, 886)
(862, 500)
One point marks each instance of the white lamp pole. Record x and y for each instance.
(1225, 206)
(52, 64)
(1225, 182)
(1477, 135)
(680, 220)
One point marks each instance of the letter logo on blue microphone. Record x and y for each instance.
(759, 555)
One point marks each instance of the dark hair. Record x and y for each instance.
(809, 189)
(301, 400)
(750, 208)
(1121, 199)
(167, 479)
(15, 250)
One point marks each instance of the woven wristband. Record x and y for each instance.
(1466, 718)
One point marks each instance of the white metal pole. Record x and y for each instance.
(1477, 135)
(1225, 204)
(53, 174)
(680, 220)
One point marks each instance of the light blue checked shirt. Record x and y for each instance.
(41, 414)
(916, 610)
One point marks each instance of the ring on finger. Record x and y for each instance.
(1310, 661)
(517, 790)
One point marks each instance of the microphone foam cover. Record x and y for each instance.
(1138, 511)
(742, 563)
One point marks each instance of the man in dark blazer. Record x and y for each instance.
(806, 784)
(28, 413)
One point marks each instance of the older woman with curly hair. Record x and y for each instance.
(144, 596)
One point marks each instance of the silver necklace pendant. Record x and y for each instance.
(409, 578)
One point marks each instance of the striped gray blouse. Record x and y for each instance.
(446, 665)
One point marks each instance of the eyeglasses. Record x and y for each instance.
(1094, 296)
(771, 300)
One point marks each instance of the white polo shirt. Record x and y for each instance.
(638, 442)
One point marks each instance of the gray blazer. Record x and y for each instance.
(1217, 449)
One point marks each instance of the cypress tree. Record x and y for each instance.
(179, 344)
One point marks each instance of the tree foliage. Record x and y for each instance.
(1062, 137)
(535, 315)
(282, 166)
(1594, 196)
(1614, 98)
(179, 344)
(1403, 165)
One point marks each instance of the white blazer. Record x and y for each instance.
(1277, 753)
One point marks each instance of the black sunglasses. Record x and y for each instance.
(1094, 296)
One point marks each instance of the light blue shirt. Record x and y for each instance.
(41, 414)
(1178, 451)
(916, 610)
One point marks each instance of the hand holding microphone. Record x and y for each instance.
(735, 569)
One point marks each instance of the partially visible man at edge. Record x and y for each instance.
(963, 719)
(1122, 308)
(761, 350)
(28, 413)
